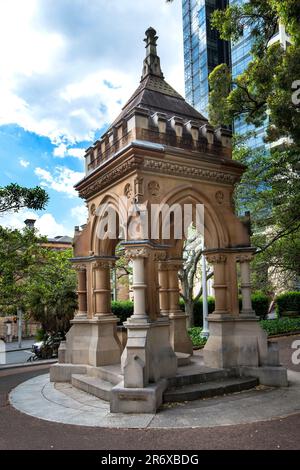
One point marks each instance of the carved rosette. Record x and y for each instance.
(219, 196)
(153, 188)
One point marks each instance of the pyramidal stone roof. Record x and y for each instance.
(154, 93)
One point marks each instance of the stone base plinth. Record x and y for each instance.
(272, 376)
(149, 343)
(63, 372)
(92, 341)
(179, 338)
(137, 400)
(240, 341)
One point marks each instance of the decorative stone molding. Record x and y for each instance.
(107, 178)
(192, 172)
(216, 258)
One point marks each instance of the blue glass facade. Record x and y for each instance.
(203, 49)
(240, 58)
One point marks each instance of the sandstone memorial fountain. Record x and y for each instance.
(160, 150)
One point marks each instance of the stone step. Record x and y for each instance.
(93, 385)
(183, 359)
(198, 376)
(208, 389)
(110, 373)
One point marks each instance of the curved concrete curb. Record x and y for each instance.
(61, 403)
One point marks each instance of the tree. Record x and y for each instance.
(14, 197)
(190, 273)
(40, 281)
(20, 253)
(51, 291)
(263, 94)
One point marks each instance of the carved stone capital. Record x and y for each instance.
(103, 264)
(216, 258)
(159, 255)
(133, 253)
(245, 258)
(79, 267)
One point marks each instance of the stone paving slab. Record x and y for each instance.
(63, 403)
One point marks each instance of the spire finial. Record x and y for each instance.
(151, 62)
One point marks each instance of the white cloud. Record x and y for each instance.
(46, 223)
(24, 163)
(62, 151)
(57, 64)
(62, 180)
(79, 214)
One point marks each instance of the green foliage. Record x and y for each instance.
(20, 254)
(14, 197)
(51, 291)
(122, 310)
(281, 325)
(288, 301)
(195, 335)
(262, 95)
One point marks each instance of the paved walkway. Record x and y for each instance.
(20, 431)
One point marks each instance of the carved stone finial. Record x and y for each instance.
(152, 61)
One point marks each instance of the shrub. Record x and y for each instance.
(197, 340)
(280, 325)
(289, 301)
(122, 310)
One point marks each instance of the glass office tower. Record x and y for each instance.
(203, 49)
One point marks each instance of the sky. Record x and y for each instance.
(66, 69)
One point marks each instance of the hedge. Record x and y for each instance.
(288, 302)
(122, 309)
(281, 325)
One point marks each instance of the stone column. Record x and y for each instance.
(218, 260)
(179, 337)
(137, 257)
(148, 350)
(102, 287)
(245, 260)
(81, 290)
(163, 280)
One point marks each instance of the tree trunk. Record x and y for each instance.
(189, 310)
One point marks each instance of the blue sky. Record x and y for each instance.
(66, 68)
